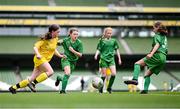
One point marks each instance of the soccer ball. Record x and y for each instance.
(97, 83)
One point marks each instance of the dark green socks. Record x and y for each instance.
(111, 81)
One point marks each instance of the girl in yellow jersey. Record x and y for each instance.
(44, 50)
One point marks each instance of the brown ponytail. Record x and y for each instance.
(48, 35)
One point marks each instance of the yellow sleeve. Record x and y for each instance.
(39, 43)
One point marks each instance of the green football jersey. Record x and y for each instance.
(162, 40)
(107, 48)
(77, 46)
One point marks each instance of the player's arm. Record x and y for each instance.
(98, 49)
(36, 47)
(58, 54)
(116, 47)
(96, 54)
(59, 43)
(37, 53)
(153, 50)
(119, 56)
(75, 52)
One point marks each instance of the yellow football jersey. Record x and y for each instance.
(46, 49)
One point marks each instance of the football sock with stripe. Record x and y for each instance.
(21, 84)
(40, 78)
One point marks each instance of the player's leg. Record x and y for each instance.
(147, 81)
(21, 84)
(103, 65)
(112, 78)
(46, 71)
(137, 69)
(108, 75)
(36, 72)
(58, 79)
(25, 82)
(67, 71)
(103, 76)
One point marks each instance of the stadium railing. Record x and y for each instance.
(94, 9)
(83, 22)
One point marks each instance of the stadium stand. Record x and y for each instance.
(94, 9)
(74, 22)
(24, 2)
(89, 45)
(156, 3)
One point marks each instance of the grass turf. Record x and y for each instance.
(125, 100)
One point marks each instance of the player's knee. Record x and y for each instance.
(67, 72)
(50, 73)
(137, 63)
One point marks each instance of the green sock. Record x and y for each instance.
(64, 82)
(136, 72)
(147, 82)
(59, 78)
(111, 81)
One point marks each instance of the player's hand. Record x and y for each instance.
(119, 61)
(38, 56)
(63, 56)
(95, 57)
(149, 56)
(71, 49)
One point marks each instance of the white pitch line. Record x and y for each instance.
(74, 85)
(4, 86)
(50, 83)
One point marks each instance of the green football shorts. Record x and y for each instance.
(156, 62)
(105, 64)
(65, 62)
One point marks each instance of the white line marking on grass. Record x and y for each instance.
(74, 85)
(176, 88)
(4, 86)
(125, 46)
(50, 83)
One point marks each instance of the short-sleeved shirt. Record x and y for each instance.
(162, 40)
(157, 61)
(77, 46)
(107, 48)
(46, 48)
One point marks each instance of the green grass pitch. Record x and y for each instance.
(78, 100)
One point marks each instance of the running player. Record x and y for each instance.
(155, 60)
(44, 50)
(73, 50)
